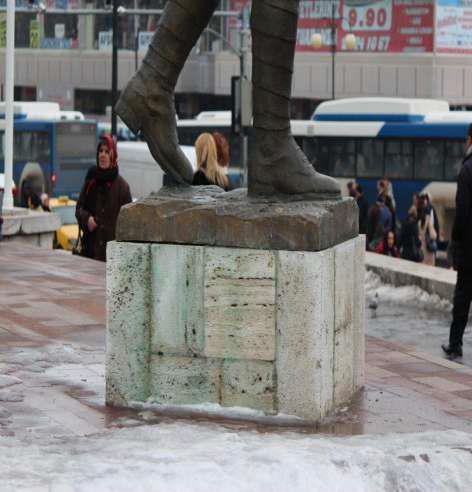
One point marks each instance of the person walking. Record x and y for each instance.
(103, 194)
(409, 241)
(462, 254)
(363, 206)
(428, 237)
(375, 226)
(209, 171)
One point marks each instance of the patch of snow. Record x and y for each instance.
(215, 410)
(411, 296)
(6, 381)
(181, 457)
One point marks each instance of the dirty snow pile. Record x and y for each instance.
(198, 457)
(409, 295)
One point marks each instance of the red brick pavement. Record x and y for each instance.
(52, 324)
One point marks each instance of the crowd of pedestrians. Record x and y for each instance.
(414, 239)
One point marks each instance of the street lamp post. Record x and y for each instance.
(114, 68)
(9, 95)
(349, 41)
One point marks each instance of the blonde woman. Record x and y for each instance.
(209, 172)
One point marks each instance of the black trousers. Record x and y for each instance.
(460, 311)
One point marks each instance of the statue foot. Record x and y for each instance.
(153, 114)
(279, 166)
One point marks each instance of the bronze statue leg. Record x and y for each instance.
(277, 165)
(147, 103)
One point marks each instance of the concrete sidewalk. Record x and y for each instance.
(52, 348)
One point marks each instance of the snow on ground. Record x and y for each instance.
(410, 295)
(198, 457)
(410, 316)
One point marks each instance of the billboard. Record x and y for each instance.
(454, 26)
(379, 25)
(399, 26)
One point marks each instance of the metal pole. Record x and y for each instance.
(333, 49)
(136, 37)
(9, 95)
(242, 69)
(114, 68)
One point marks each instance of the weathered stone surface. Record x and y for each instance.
(205, 215)
(178, 326)
(359, 313)
(128, 323)
(277, 331)
(305, 333)
(28, 222)
(344, 292)
(185, 380)
(249, 383)
(239, 304)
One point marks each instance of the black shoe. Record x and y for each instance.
(452, 352)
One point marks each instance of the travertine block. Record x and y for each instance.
(249, 383)
(344, 286)
(359, 313)
(239, 304)
(185, 380)
(305, 332)
(128, 322)
(177, 301)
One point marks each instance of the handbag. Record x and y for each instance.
(78, 248)
(430, 238)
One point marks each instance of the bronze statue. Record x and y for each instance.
(277, 165)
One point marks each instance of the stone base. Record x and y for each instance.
(21, 225)
(206, 215)
(277, 331)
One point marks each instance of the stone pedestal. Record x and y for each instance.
(269, 329)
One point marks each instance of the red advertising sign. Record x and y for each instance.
(236, 6)
(378, 25)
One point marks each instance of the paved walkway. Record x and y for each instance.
(52, 345)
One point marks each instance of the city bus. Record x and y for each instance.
(52, 149)
(417, 144)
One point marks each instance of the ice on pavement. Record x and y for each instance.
(208, 457)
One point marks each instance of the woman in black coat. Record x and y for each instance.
(102, 196)
(409, 241)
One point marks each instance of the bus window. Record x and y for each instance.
(429, 159)
(398, 159)
(318, 153)
(343, 157)
(454, 158)
(370, 158)
(31, 146)
(75, 140)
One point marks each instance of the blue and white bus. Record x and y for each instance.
(52, 149)
(417, 144)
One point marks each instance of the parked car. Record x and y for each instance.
(66, 236)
